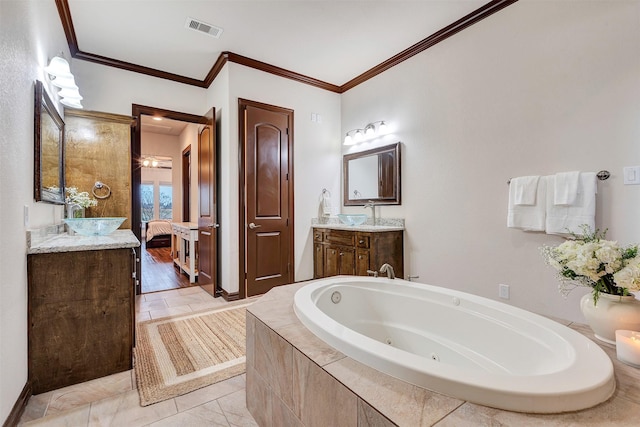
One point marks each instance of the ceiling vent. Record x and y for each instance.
(203, 27)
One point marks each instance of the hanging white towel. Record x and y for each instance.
(525, 189)
(565, 188)
(564, 220)
(326, 203)
(528, 217)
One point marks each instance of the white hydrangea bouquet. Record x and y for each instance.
(79, 198)
(590, 260)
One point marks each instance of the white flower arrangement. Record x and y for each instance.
(590, 260)
(81, 199)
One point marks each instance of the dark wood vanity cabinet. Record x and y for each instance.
(81, 316)
(337, 251)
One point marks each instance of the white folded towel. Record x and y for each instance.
(525, 189)
(565, 188)
(528, 217)
(566, 219)
(326, 204)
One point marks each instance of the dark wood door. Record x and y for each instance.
(207, 219)
(268, 192)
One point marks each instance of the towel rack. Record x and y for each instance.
(602, 175)
(325, 191)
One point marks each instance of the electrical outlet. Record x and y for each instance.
(503, 291)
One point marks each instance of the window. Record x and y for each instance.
(147, 201)
(166, 201)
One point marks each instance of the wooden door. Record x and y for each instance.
(207, 218)
(266, 197)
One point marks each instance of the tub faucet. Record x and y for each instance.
(371, 205)
(386, 268)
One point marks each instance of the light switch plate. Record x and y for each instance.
(631, 175)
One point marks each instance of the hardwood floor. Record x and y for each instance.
(159, 273)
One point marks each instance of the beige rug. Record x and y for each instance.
(178, 354)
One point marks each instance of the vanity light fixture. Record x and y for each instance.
(150, 161)
(60, 76)
(356, 136)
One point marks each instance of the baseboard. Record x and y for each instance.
(18, 409)
(229, 297)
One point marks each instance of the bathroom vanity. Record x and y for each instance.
(81, 308)
(353, 250)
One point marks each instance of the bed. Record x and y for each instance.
(158, 234)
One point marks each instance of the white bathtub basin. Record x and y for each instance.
(458, 344)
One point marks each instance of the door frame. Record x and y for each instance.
(242, 143)
(137, 111)
(186, 183)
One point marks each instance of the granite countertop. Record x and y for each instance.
(383, 224)
(73, 243)
(363, 227)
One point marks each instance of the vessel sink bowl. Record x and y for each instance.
(352, 219)
(94, 226)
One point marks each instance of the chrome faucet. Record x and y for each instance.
(371, 205)
(386, 268)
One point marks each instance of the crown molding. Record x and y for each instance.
(477, 15)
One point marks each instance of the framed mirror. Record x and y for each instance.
(49, 149)
(372, 175)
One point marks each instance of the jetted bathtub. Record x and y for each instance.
(458, 344)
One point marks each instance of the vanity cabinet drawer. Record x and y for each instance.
(362, 241)
(318, 235)
(340, 237)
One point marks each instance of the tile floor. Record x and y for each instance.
(114, 400)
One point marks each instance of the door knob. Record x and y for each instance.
(213, 225)
(253, 226)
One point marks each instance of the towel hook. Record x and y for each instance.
(325, 191)
(99, 185)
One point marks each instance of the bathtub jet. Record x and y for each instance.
(458, 344)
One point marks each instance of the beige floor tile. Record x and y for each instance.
(206, 415)
(151, 305)
(209, 393)
(188, 299)
(78, 417)
(235, 409)
(161, 295)
(125, 410)
(142, 316)
(84, 393)
(192, 290)
(171, 311)
(36, 407)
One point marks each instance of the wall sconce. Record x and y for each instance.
(369, 131)
(60, 76)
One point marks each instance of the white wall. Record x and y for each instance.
(316, 154)
(30, 34)
(538, 88)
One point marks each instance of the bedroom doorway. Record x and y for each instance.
(160, 196)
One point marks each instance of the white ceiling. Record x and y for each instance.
(330, 40)
(164, 126)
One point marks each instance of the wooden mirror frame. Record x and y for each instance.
(44, 105)
(392, 178)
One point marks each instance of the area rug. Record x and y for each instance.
(178, 354)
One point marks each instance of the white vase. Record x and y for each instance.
(611, 313)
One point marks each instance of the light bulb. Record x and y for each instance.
(70, 94)
(59, 68)
(382, 128)
(145, 162)
(358, 136)
(369, 131)
(154, 163)
(71, 102)
(348, 140)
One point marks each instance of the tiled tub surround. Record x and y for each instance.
(295, 379)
